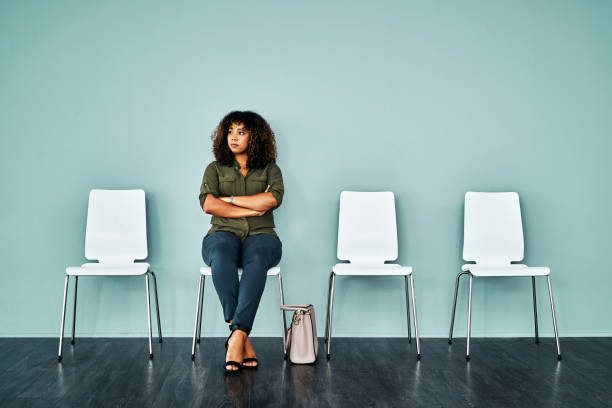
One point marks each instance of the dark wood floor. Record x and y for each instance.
(361, 372)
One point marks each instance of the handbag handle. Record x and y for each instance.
(295, 308)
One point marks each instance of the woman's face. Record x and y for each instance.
(237, 138)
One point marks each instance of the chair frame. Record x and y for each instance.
(535, 313)
(197, 327)
(148, 294)
(330, 311)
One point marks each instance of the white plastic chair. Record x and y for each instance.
(197, 328)
(367, 237)
(116, 236)
(493, 239)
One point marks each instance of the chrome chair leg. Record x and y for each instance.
(197, 317)
(552, 307)
(149, 316)
(76, 284)
(327, 311)
(535, 309)
(414, 313)
(469, 324)
(452, 324)
(283, 320)
(159, 330)
(330, 313)
(201, 309)
(408, 309)
(61, 339)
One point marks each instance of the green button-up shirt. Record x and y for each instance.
(220, 180)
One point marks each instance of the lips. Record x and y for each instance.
(234, 145)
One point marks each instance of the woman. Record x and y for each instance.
(240, 189)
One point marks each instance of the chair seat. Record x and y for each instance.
(509, 270)
(206, 271)
(372, 270)
(98, 269)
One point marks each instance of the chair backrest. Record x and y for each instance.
(116, 226)
(492, 230)
(367, 230)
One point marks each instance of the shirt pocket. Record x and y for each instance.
(227, 185)
(256, 184)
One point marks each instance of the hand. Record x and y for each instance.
(257, 213)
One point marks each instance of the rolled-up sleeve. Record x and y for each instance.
(210, 183)
(275, 181)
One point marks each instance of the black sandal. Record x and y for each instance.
(246, 360)
(234, 364)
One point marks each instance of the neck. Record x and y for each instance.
(241, 159)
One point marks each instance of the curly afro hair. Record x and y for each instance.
(262, 145)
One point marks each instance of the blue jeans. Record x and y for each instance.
(224, 253)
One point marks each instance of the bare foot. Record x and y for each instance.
(249, 352)
(235, 348)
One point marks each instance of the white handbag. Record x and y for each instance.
(301, 341)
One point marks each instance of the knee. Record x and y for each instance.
(258, 259)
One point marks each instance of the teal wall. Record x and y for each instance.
(426, 99)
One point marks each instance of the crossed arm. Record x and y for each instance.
(242, 206)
